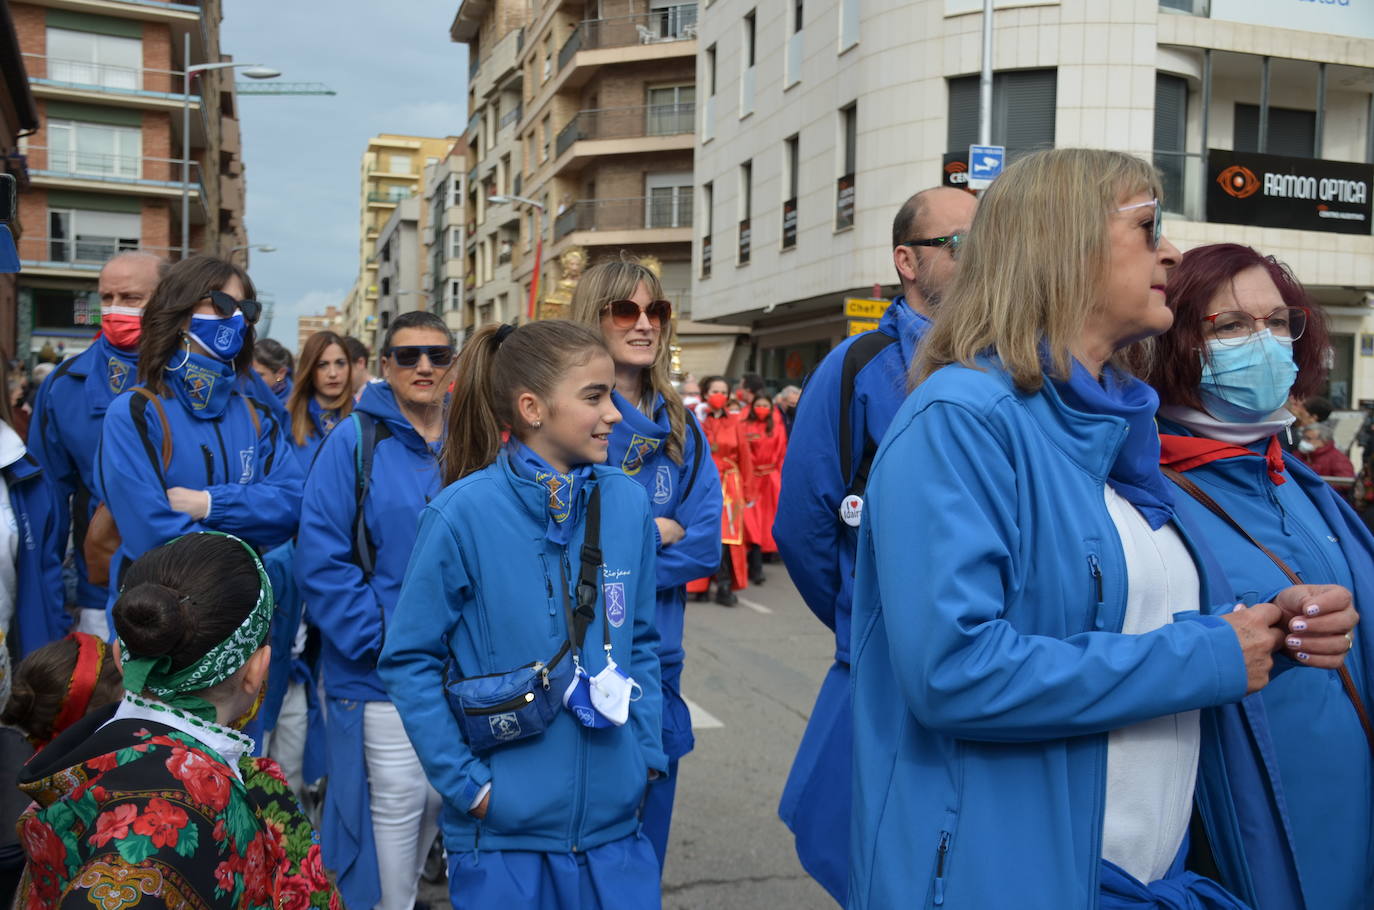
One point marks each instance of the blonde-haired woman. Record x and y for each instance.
(1033, 634)
(659, 444)
(322, 395)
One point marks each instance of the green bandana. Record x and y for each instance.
(221, 662)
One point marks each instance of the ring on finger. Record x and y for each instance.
(1349, 642)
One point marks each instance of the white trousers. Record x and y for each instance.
(286, 741)
(405, 808)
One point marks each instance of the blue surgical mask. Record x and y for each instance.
(220, 336)
(1246, 382)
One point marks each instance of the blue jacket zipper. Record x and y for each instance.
(1100, 614)
(941, 853)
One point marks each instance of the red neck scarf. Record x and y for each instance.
(1183, 453)
(90, 660)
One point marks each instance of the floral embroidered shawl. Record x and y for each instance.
(140, 814)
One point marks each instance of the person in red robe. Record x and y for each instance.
(730, 451)
(767, 438)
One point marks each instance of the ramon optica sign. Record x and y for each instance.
(1307, 194)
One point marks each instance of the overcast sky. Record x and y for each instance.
(395, 70)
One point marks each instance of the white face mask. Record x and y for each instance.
(612, 691)
(1308, 445)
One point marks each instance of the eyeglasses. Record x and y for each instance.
(952, 242)
(226, 305)
(408, 355)
(1155, 229)
(1236, 326)
(625, 313)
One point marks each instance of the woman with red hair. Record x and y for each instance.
(1245, 337)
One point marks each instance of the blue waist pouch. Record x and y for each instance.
(503, 708)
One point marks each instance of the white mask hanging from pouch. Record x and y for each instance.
(612, 691)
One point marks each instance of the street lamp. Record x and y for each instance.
(252, 71)
(538, 243)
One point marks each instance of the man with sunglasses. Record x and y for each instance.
(360, 516)
(850, 399)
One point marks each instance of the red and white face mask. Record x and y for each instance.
(121, 325)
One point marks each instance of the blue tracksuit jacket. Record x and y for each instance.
(64, 434)
(39, 609)
(1310, 528)
(482, 590)
(985, 681)
(254, 482)
(818, 549)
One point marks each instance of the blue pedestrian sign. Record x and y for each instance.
(985, 164)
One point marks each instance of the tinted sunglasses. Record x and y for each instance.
(226, 305)
(625, 313)
(408, 355)
(953, 242)
(1155, 229)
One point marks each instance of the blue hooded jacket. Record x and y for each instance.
(688, 493)
(986, 675)
(482, 590)
(39, 614)
(354, 611)
(64, 434)
(254, 481)
(1310, 528)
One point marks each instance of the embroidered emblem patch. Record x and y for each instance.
(118, 375)
(615, 603)
(584, 715)
(663, 485)
(224, 338)
(560, 503)
(504, 726)
(246, 463)
(641, 447)
(200, 384)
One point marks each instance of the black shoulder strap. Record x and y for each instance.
(588, 575)
(696, 454)
(370, 432)
(860, 353)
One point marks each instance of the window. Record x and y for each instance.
(94, 149)
(1022, 111)
(1291, 132)
(386, 291)
(750, 20)
(711, 71)
(844, 186)
(505, 174)
(455, 190)
(792, 63)
(672, 20)
(791, 165)
(455, 243)
(1171, 120)
(670, 110)
(530, 231)
(386, 251)
(849, 24)
(548, 136)
(746, 205)
(796, 15)
(86, 58)
(548, 58)
(669, 200)
(398, 164)
(747, 76)
(708, 209)
(397, 193)
(79, 235)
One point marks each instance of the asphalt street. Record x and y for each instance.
(751, 677)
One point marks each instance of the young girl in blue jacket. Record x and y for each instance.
(546, 821)
(661, 446)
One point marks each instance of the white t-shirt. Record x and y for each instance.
(1152, 765)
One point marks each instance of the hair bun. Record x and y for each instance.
(19, 711)
(153, 620)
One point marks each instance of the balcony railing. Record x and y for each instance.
(633, 214)
(86, 165)
(657, 26)
(389, 198)
(511, 116)
(83, 252)
(628, 123)
(101, 76)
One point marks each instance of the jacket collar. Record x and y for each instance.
(379, 402)
(902, 322)
(534, 498)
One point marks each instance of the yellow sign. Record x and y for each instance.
(864, 308)
(862, 325)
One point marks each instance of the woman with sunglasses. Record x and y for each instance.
(373, 476)
(322, 395)
(659, 444)
(1045, 669)
(1245, 337)
(186, 449)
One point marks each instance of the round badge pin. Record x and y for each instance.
(852, 510)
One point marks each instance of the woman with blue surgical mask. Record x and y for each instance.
(1245, 336)
(184, 450)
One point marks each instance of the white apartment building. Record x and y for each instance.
(398, 261)
(443, 238)
(820, 117)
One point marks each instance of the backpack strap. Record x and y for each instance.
(144, 392)
(253, 415)
(589, 573)
(368, 432)
(1187, 485)
(697, 445)
(868, 346)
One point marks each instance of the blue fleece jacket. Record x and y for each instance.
(1311, 529)
(64, 434)
(987, 672)
(39, 614)
(483, 590)
(254, 481)
(354, 611)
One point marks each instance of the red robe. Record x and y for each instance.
(767, 451)
(735, 463)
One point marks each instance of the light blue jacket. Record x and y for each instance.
(990, 583)
(482, 589)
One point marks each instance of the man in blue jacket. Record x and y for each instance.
(70, 407)
(822, 502)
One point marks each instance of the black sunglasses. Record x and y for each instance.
(225, 305)
(625, 313)
(953, 241)
(408, 355)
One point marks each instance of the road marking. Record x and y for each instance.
(757, 608)
(701, 718)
